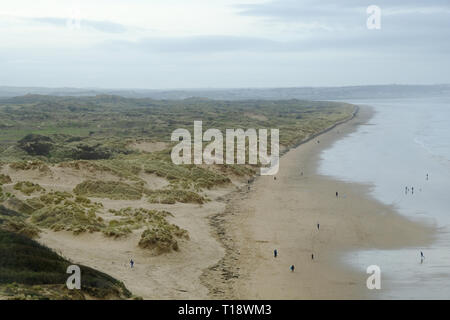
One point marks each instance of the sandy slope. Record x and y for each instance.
(169, 276)
(283, 214)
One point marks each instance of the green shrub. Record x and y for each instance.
(36, 144)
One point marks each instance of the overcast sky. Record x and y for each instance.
(160, 44)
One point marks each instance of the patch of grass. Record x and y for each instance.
(131, 219)
(14, 221)
(19, 205)
(16, 291)
(69, 216)
(193, 175)
(114, 231)
(141, 213)
(51, 198)
(58, 197)
(119, 167)
(109, 189)
(238, 170)
(4, 196)
(162, 237)
(171, 196)
(28, 188)
(5, 179)
(21, 227)
(30, 165)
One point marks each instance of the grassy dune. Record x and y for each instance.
(29, 270)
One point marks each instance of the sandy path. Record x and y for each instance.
(284, 213)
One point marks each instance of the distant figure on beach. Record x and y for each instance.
(274, 178)
(275, 253)
(292, 268)
(337, 194)
(412, 190)
(131, 263)
(427, 176)
(406, 190)
(421, 255)
(312, 256)
(318, 226)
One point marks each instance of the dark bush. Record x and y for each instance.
(36, 144)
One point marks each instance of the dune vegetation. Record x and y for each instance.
(138, 218)
(162, 237)
(115, 190)
(65, 161)
(4, 179)
(96, 134)
(27, 187)
(171, 196)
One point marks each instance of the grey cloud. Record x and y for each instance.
(409, 25)
(359, 40)
(212, 43)
(329, 9)
(405, 15)
(103, 26)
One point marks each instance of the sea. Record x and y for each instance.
(406, 144)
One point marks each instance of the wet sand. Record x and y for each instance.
(283, 214)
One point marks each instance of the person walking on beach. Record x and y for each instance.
(275, 253)
(412, 190)
(318, 226)
(131, 263)
(337, 194)
(427, 176)
(312, 256)
(292, 268)
(421, 255)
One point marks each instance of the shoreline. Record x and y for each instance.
(284, 213)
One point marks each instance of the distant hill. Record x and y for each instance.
(306, 93)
